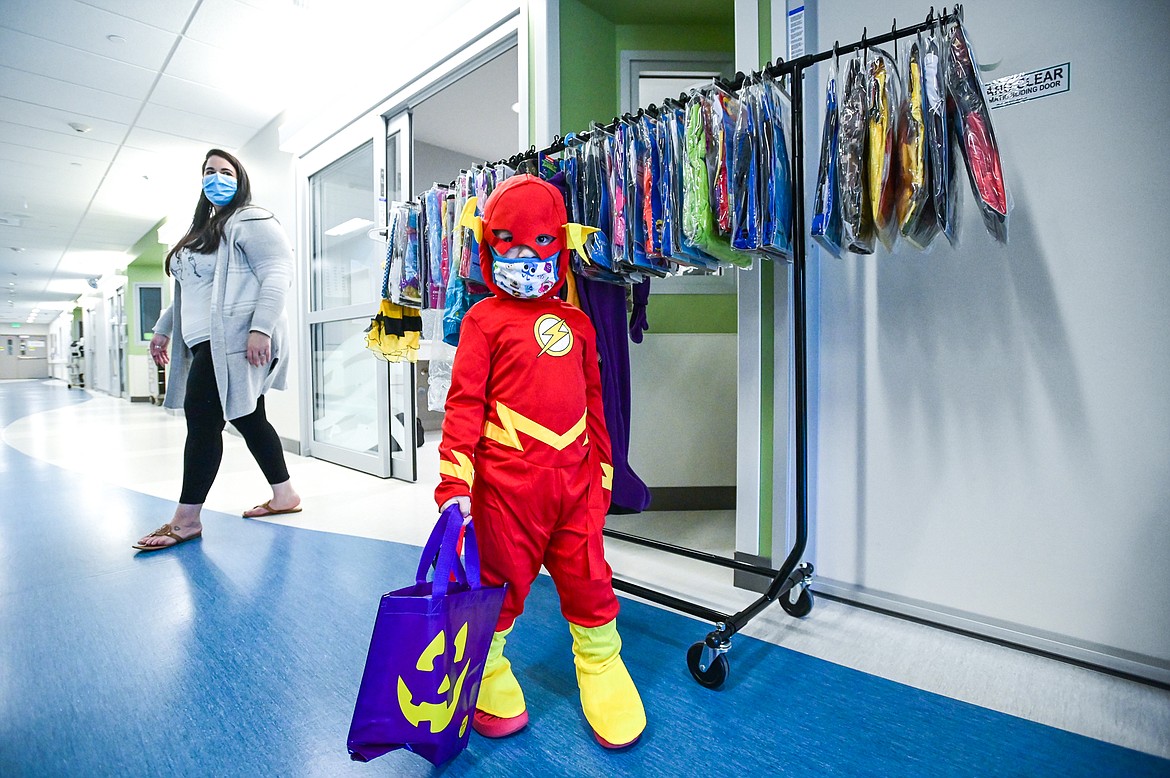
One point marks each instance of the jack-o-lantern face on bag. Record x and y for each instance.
(437, 695)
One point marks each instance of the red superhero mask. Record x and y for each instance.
(525, 211)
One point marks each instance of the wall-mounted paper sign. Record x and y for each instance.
(1010, 90)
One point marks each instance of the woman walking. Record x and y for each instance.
(232, 271)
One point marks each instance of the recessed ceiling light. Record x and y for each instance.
(115, 39)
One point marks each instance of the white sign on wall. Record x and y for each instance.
(1010, 90)
(796, 33)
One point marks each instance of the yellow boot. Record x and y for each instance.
(608, 695)
(499, 709)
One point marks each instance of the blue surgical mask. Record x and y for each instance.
(220, 189)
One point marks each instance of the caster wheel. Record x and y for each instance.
(715, 675)
(801, 607)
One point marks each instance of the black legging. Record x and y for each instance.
(204, 448)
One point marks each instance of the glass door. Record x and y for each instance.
(402, 375)
(117, 342)
(350, 422)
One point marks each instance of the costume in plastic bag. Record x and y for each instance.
(394, 332)
(699, 222)
(938, 132)
(856, 215)
(916, 218)
(524, 438)
(826, 218)
(976, 135)
(881, 150)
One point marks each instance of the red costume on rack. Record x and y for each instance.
(524, 438)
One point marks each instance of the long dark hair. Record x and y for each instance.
(206, 230)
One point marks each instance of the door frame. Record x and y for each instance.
(338, 146)
(373, 127)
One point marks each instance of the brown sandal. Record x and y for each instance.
(166, 531)
(269, 511)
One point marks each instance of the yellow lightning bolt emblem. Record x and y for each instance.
(553, 334)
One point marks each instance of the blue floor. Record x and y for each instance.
(241, 653)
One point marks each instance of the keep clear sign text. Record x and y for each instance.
(1010, 90)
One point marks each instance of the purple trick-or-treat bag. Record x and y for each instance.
(427, 653)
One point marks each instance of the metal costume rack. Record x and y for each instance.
(707, 659)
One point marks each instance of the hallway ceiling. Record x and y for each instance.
(106, 110)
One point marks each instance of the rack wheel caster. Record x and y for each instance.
(803, 605)
(716, 672)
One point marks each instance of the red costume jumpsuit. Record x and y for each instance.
(524, 432)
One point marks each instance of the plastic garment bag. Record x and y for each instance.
(402, 282)
(938, 133)
(720, 112)
(744, 180)
(826, 217)
(698, 218)
(595, 198)
(915, 208)
(976, 135)
(856, 217)
(652, 192)
(455, 302)
(639, 219)
(618, 192)
(686, 258)
(432, 246)
(775, 170)
(881, 145)
(440, 360)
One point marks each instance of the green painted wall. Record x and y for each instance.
(767, 346)
(676, 37)
(589, 77)
(681, 313)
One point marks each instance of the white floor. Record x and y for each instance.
(139, 447)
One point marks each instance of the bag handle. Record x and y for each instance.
(471, 556)
(441, 553)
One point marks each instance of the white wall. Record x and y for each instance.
(273, 178)
(34, 362)
(435, 164)
(60, 334)
(992, 424)
(681, 431)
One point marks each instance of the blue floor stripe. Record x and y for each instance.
(241, 653)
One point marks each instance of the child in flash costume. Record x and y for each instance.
(525, 450)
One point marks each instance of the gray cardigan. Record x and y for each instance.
(253, 273)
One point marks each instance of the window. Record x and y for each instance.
(149, 300)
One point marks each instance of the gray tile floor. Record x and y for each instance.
(139, 447)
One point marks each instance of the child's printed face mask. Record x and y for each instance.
(524, 229)
(525, 277)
